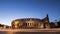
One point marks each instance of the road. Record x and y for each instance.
(32, 30)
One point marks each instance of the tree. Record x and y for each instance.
(52, 25)
(58, 24)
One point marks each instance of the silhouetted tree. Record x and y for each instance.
(52, 25)
(58, 24)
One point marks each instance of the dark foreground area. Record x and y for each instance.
(37, 33)
(1, 32)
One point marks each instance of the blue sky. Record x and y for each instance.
(14, 9)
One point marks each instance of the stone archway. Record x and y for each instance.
(47, 25)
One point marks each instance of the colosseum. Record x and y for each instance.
(34, 23)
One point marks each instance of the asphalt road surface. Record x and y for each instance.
(30, 31)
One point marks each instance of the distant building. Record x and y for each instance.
(31, 23)
(4, 26)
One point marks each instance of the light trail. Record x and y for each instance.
(31, 30)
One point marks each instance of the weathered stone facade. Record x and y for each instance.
(31, 23)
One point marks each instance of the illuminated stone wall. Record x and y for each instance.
(31, 23)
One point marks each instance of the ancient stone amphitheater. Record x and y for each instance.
(34, 23)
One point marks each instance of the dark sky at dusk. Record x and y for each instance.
(14, 9)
